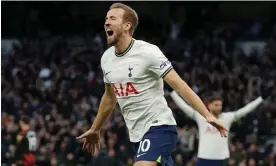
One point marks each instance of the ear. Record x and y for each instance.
(127, 26)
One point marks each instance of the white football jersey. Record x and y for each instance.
(211, 145)
(136, 77)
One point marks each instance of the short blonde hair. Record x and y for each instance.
(129, 15)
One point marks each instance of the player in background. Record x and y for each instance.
(133, 73)
(213, 150)
(26, 144)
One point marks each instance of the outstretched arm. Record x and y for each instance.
(248, 108)
(159, 64)
(173, 79)
(92, 136)
(107, 105)
(183, 105)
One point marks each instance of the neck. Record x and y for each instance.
(122, 44)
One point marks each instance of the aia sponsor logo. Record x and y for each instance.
(121, 90)
(211, 130)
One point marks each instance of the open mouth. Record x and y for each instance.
(109, 32)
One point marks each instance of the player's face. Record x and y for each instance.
(114, 25)
(215, 107)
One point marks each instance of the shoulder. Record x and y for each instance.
(145, 46)
(228, 116)
(198, 117)
(148, 50)
(107, 54)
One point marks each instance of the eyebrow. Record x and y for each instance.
(110, 17)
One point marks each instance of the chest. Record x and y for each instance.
(207, 128)
(129, 69)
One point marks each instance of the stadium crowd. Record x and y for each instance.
(56, 80)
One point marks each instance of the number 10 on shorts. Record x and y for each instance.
(144, 146)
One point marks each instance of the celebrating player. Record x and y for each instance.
(213, 150)
(133, 72)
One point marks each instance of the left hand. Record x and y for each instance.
(213, 121)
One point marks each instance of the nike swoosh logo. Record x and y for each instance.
(107, 73)
(140, 155)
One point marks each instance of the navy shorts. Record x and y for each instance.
(157, 145)
(205, 162)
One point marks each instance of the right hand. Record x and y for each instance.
(92, 141)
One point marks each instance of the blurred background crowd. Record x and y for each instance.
(50, 71)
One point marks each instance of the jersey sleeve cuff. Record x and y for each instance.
(166, 72)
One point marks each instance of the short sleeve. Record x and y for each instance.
(104, 73)
(104, 78)
(230, 117)
(159, 64)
